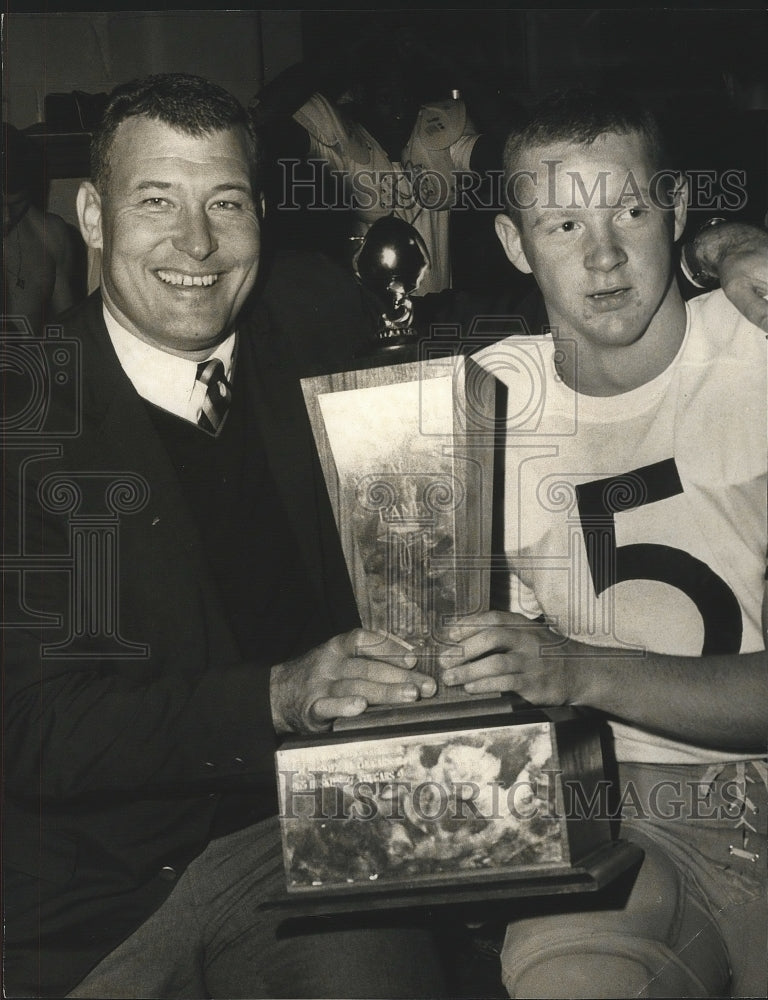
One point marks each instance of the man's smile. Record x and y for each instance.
(179, 278)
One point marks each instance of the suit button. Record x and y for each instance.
(168, 873)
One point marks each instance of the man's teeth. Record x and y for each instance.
(174, 278)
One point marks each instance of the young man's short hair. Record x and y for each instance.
(580, 116)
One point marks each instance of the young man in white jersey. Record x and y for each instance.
(635, 529)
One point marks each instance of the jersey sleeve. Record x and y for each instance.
(331, 137)
(461, 150)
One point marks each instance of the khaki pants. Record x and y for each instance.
(692, 922)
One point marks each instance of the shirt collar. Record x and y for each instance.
(164, 379)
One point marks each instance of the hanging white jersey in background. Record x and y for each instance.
(419, 189)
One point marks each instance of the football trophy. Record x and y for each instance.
(391, 262)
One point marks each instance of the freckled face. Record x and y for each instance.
(180, 233)
(598, 243)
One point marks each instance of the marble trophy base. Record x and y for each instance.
(509, 804)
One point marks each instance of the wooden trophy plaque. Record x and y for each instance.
(407, 456)
(455, 797)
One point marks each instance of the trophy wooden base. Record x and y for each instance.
(462, 801)
(597, 870)
(431, 711)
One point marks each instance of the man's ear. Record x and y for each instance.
(680, 204)
(89, 215)
(509, 237)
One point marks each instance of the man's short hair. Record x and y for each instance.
(581, 116)
(188, 103)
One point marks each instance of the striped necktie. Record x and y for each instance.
(218, 395)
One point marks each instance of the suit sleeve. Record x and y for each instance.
(176, 721)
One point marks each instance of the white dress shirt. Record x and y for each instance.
(166, 380)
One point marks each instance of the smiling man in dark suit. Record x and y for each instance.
(187, 602)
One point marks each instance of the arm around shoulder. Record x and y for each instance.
(735, 256)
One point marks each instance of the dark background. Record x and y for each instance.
(674, 54)
(674, 58)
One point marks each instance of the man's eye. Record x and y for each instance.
(155, 202)
(226, 205)
(568, 226)
(634, 212)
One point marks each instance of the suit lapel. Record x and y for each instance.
(265, 371)
(277, 406)
(164, 535)
(274, 399)
(123, 428)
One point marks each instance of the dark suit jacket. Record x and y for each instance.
(121, 744)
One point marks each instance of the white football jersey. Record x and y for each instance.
(638, 521)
